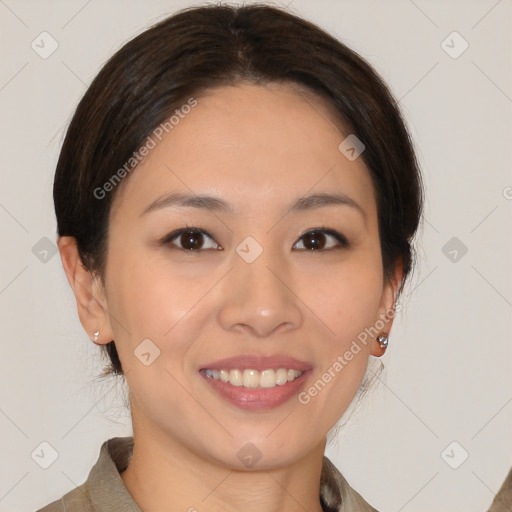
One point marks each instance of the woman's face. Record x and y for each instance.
(254, 285)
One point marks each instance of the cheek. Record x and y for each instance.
(347, 303)
(151, 299)
(347, 300)
(152, 302)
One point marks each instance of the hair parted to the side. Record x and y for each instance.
(196, 50)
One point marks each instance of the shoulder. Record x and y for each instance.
(104, 489)
(503, 499)
(336, 493)
(76, 500)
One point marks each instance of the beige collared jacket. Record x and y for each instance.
(104, 489)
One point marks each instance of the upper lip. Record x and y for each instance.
(256, 362)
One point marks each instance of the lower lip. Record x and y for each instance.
(257, 399)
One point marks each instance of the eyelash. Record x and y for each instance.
(340, 238)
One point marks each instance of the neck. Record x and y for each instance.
(163, 475)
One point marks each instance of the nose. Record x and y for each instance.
(258, 298)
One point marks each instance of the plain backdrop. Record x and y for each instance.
(448, 376)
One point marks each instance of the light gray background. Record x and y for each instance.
(449, 364)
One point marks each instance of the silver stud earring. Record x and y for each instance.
(383, 339)
(95, 336)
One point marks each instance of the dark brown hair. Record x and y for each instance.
(204, 47)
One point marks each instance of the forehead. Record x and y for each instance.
(251, 145)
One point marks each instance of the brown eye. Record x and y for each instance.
(318, 239)
(314, 240)
(191, 239)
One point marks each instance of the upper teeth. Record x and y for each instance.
(253, 378)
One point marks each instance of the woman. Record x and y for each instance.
(236, 198)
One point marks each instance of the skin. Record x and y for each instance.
(258, 148)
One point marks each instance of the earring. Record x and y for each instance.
(95, 336)
(383, 339)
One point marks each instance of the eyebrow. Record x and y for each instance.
(205, 202)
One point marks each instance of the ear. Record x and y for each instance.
(89, 292)
(386, 312)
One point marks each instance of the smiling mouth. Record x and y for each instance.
(251, 378)
(256, 382)
(245, 390)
